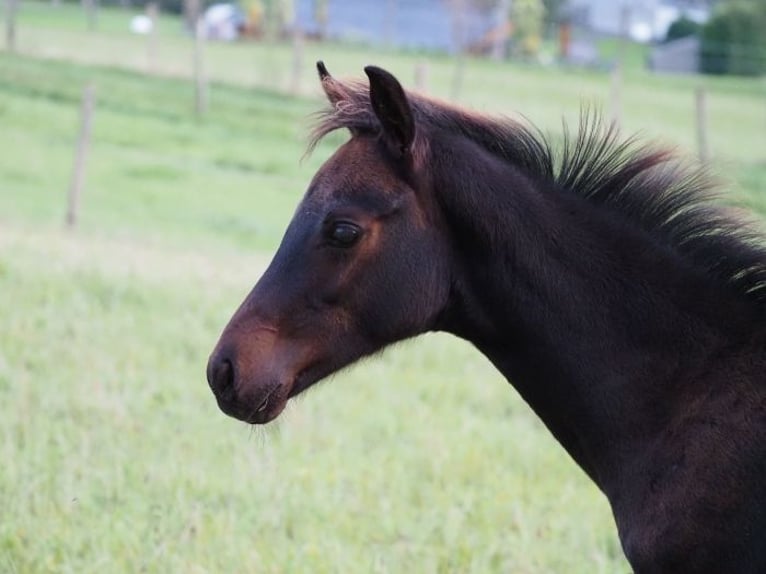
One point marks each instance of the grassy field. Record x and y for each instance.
(658, 107)
(115, 456)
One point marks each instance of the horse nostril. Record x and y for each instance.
(220, 375)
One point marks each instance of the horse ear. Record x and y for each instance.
(390, 104)
(333, 89)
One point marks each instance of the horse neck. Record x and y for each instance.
(591, 319)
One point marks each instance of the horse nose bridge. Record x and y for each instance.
(264, 305)
(282, 283)
(258, 312)
(250, 347)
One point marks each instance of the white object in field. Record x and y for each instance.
(222, 22)
(141, 25)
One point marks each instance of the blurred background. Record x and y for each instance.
(150, 159)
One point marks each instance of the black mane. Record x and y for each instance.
(671, 200)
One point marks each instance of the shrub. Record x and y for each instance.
(733, 40)
(682, 28)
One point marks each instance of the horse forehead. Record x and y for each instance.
(357, 165)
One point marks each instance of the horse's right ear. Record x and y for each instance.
(390, 104)
(333, 89)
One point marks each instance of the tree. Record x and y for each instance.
(528, 17)
(554, 11)
(733, 41)
(682, 28)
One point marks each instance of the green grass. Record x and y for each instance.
(659, 107)
(115, 456)
(150, 155)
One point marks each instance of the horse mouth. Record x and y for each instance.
(275, 401)
(269, 407)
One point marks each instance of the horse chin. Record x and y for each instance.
(266, 415)
(276, 401)
(266, 410)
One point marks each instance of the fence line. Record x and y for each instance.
(10, 24)
(700, 100)
(200, 78)
(81, 156)
(152, 12)
(615, 94)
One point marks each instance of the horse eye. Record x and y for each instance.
(343, 234)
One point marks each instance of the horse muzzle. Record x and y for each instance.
(252, 377)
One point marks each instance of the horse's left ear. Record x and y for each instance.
(392, 109)
(335, 91)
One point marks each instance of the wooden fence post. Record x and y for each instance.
(421, 76)
(200, 81)
(700, 98)
(81, 156)
(91, 10)
(458, 37)
(619, 67)
(298, 49)
(615, 94)
(152, 12)
(10, 24)
(501, 31)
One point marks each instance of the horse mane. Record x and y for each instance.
(674, 201)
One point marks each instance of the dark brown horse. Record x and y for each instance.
(626, 307)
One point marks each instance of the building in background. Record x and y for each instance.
(446, 25)
(643, 20)
(433, 25)
(680, 56)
